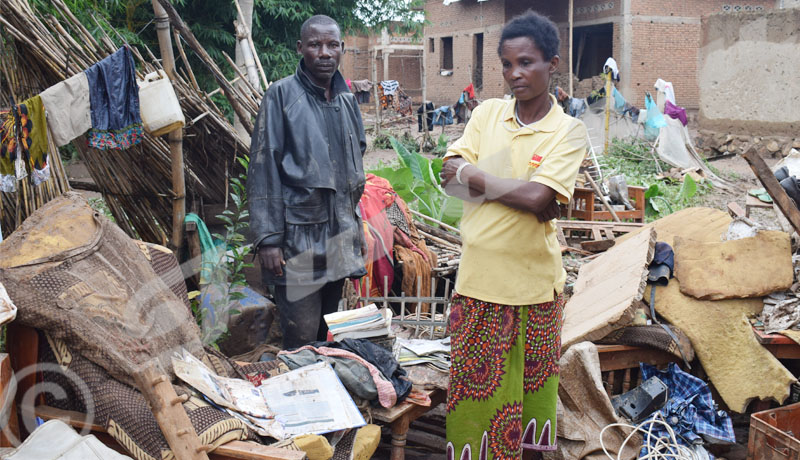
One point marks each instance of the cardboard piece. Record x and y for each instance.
(738, 366)
(748, 267)
(584, 409)
(696, 224)
(608, 290)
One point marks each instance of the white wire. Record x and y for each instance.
(659, 448)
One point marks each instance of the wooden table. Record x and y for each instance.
(779, 345)
(399, 419)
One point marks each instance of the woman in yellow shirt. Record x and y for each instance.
(516, 161)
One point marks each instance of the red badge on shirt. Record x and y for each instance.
(536, 161)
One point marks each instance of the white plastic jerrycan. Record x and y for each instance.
(159, 106)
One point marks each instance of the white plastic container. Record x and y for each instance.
(158, 104)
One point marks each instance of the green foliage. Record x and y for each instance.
(276, 26)
(100, 205)
(663, 195)
(416, 181)
(381, 141)
(227, 276)
(441, 145)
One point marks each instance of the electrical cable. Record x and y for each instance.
(658, 448)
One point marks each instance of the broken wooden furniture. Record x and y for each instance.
(585, 207)
(22, 343)
(399, 419)
(619, 365)
(779, 345)
(592, 235)
(752, 202)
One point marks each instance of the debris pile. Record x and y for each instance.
(712, 144)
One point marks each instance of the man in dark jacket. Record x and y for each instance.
(305, 180)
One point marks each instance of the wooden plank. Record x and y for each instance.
(251, 451)
(243, 450)
(168, 410)
(9, 436)
(391, 414)
(617, 357)
(735, 210)
(22, 343)
(597, 245)
(768, 180)
(772, 339)
(608, 290)
(619, 227)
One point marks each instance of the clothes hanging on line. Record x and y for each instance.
(470, 90)
(362, 97)
(390, 87)
(611, 65)
(386, 100)
(666, 88)
(361, 85)
(443, 116)
(679, 113)
(68, 110)
(114, 100)
(23, 145)
(426, 108)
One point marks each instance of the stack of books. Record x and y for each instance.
(361, 323)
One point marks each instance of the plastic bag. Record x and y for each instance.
(655, 119)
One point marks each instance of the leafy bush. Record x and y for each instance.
(417, 182)
(663, 195)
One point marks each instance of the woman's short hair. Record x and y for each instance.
(538, 28)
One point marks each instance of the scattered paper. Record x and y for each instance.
(311, 399)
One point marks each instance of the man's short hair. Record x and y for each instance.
(317, 20)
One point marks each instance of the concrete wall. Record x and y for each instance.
(749, 72)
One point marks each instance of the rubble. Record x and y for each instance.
(713, 144)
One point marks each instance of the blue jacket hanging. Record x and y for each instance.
(114, 100)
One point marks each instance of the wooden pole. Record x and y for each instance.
(602, 197)
(168, 410)
(191, 40)
(175, 137)
(252, 44)
(375, 91)
(773, 187)
(571, 8)
(609, 90)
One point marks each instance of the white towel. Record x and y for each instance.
(612, 64)
(67, 107)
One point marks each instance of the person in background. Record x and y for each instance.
(517, 160)
(305, 180)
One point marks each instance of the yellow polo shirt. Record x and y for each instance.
(508, 256)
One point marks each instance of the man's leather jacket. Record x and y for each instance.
(305, 180)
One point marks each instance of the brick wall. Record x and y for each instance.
(461, 21)
(404, 65)
(665, 38)
(666, 41)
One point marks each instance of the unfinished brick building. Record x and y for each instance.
(395, 56)
(649, 39)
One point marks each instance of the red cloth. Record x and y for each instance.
(379, 234)
(470, 90)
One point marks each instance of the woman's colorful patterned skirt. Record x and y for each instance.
(503, 378)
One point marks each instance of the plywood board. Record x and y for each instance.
(738, 366)
(608, 290)
(748, 267)
(697, 224)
